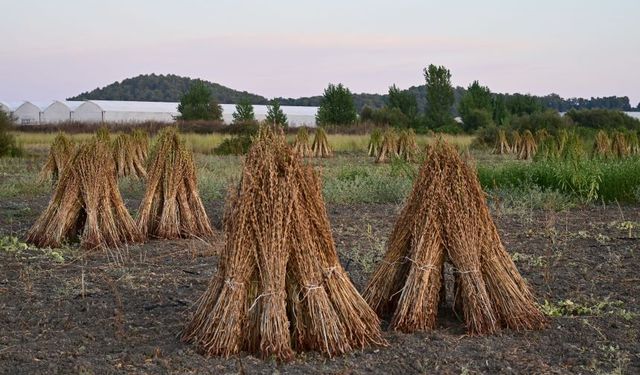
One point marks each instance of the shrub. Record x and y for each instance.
(603, 119)
(237, 145)
(8, 145)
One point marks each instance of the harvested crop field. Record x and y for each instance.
(122, 311)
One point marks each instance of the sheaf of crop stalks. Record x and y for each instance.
(375, 142)
(61, 151)
(516, 142)
(446, 218)
(602, 145)
(389, 147)
(528, 146)
(171, 206)
(619, 145)
(280, 287)
(320, 146)
(301, 144)
(502, 144)
(86, 203)
(407, 145)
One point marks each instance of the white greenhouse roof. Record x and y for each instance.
(129, 106)
(12, 104)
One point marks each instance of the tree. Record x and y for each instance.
(336, 106)
(275, 115)
(197, 104)
(404, 101)
(244, 112)
(476, 107)
(499, 110)
(519, 104)
(440, 96)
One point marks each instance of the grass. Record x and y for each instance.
(351, 177)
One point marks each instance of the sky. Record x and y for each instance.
(57, 49)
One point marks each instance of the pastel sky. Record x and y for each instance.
(56, 49)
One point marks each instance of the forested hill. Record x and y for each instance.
(163, 88)
(170, 88)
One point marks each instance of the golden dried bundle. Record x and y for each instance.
(502, 144)
(389, 147)
(61, 151)
(528, 146)
(634, 144)
(602, 145)
(516, 142)
(407, 145)
(128, 156)
(375, 142)
(542, 135)
(301, 144)
(171, 206)
(446, 219)
(619, 146)
(320, 146)
(280, 287)
(86, 203)
(140, 144)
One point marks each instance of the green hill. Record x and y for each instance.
(163, 88)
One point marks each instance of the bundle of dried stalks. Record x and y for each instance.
(280, 286)
(602, 145)
(619, 146)
(140, 145)
(128, 156)
(407, 145)
(389, 147)
(61, 151)
(375, 142)
(542, 135)
(633, 143)
(86, 203)
(320, 146)
(516, 142)
(301, 144)
(446, 218)
(528, 146)
(171, 206)
(502, 144)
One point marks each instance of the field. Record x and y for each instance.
(573, 232)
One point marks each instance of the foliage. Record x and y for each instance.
(403, 101)
(198, 104)
(237, 145)
(521, 104)
(8, 145)
(440, 96)
(603, 119)
(476, 107)
(549, 120)
(164, 88)
(244, 113)
(275, 115)
(336, 106)
(387, 116)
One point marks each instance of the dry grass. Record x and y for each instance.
(280, 286)
(171, 206)
(446, 218)
(86, 202)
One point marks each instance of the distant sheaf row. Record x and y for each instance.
(99, 111)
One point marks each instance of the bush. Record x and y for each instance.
(8, 146)
(477, 118)
(486, 137)
(238, 145)
(603, 119)
(549, 120)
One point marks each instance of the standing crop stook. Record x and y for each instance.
(446, 218)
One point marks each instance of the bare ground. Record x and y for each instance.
(122, 311)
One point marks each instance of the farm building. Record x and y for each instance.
(59, 111)
(97, 111)
(121, 111)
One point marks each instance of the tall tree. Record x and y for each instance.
(197, 104)
(475, 100)
(404, 101)
(336, 106)
(244, 112)
(275, 115)
(440, 97)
